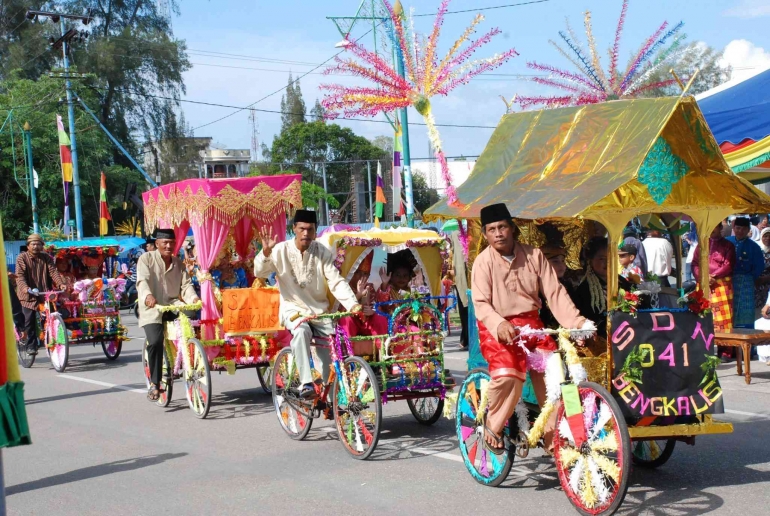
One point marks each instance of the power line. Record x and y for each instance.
(488, 8)
(278, 90)
(214, 104)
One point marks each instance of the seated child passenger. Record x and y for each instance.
(368, 322)
(396, 278)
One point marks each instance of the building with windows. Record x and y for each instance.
(193, 157)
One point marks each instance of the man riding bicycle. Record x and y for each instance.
(507, 280)
(35, 273)
(304, 269)
(161, 279)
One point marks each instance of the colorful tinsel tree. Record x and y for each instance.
(590, 83)
(425, 76)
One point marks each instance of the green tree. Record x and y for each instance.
(134, 59)
(317, 113)
(36, 102)
(292, 106)
(305, 146)
(384, 142)
(24, 43)
(698, 56)
(424, 196)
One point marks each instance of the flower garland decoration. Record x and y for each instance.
(425, 77)
(696, 302)
(347, 241)
(589, 84)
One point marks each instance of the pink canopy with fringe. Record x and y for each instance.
(212, 207)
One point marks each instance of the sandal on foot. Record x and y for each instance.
(498, 440)
(153, 394)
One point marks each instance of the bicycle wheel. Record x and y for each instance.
(112, 348)
(426, 410)
(265, 373)
(197, 379)
(57, 342)
(652, 454)
(595, 475)
(25, 359)
(357, 408)
(293, 415)
(167, 378)
(484, 466)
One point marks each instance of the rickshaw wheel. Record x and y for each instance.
(112, 348)
(426, 410)
(652, 454)
(357, 408)
(198, 379)
(25, 359)
(265, 373)
(285, 377)
(595, 476)
(167, 381)
(57, 342)
(484, 466)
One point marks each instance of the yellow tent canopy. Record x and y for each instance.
(601, 161)
(606, 162)
(428, 247)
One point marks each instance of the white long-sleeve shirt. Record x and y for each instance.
(660, 254)
(303, 278)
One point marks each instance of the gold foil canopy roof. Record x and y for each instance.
(599, 161)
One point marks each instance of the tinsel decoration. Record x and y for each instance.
(605, 414)
(589, 84)
(565, 431)
(450, 405)
(538, 429)
(597, 481)
(576, 474)
(607, 443)
(522, 419)
(587, 492)
(484, 401)
(608, 466)
(425, 76)
(568, 456)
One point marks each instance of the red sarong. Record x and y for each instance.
(511, 359)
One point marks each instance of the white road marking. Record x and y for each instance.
(103, 384)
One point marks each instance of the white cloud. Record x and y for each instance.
(749, 9)
(746, 59)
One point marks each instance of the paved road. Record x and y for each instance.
(101, 448)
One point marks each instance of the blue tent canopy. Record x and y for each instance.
(739, 112)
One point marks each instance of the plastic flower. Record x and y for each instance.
(426, 76)
(590, 84)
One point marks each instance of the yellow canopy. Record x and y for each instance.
(604, 161)
(351, 248)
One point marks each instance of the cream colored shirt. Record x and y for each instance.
(166, 285)
(502, 288)
(303, 278)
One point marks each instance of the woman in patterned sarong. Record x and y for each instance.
(721, 263)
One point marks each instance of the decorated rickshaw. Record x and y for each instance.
(237, 326)
(578, 172)
(401, 359)
(87, 313)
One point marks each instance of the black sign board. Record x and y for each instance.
(665, 364)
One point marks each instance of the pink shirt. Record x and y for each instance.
(721, 259)
(501, 289)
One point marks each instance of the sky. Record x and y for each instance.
(274, 38)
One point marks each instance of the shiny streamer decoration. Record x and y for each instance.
(589, 83)
(425, 76)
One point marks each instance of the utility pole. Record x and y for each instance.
(33, 194)
(66, 37)
(367, 10)
(399, 10)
